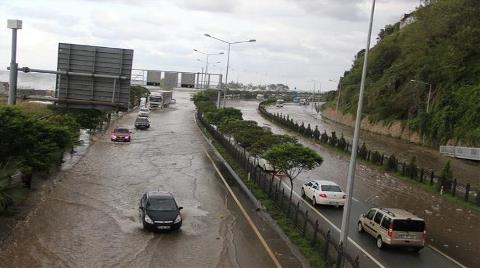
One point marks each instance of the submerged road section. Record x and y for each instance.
(450, 227)
(90, 218)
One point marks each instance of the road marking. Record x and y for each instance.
(446, 256)
(336, 228)
(244, 212)
(354, 199)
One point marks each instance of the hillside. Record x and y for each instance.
(441, 47)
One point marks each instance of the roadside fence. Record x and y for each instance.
(391, 163)
(322, 235)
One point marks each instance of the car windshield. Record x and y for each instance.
(409, 225)
(331, 188)
(141, 120)
(121, 130)
(164, 204)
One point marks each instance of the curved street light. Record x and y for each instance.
(228, 63)
(206, 63)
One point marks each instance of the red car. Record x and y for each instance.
(121, 134)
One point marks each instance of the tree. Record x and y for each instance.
(292, 159)
(446, 175)
(267, 141)
(217, 116)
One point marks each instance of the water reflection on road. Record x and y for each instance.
(466, 171)
(451, 227)
(89, 219)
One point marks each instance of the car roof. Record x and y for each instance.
(160, 195)
(398, 213)
(324, 182)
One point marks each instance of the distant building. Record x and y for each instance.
(406, 19)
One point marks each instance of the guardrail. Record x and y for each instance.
(320, 233)
(461, 152)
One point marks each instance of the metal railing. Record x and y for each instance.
(461, 152)
(322, 235)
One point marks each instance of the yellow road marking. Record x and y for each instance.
(244, 212)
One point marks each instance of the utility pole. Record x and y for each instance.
(12, 92)
(353, 158)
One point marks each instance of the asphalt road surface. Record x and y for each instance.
(450, 227)
(90, 218)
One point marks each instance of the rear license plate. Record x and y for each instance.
(163, 227)
(405, 236)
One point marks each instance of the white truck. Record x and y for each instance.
(160, 99)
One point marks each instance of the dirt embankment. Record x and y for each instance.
(394, 129)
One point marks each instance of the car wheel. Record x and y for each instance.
(360, 228)
(303, 192)
(314, 202)
(379, 242)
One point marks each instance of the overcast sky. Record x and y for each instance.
(298, 41)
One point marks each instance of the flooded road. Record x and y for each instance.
(90, 217)
(464, 170)
(451, 228)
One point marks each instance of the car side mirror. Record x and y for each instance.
(180, 208)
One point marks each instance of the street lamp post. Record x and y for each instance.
(353, 157)
(228, 61)
(12, 92)
(206, 70)
(205, 81)
(429, 91)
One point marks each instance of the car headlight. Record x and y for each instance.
(147, 219)
(114, 137)
(178, 219)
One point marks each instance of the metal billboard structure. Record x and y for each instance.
(154, 78)
(170, 81)
(187, 80)
(93, 77)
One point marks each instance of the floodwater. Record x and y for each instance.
(465, 171)
(451, 228)
(90, 217)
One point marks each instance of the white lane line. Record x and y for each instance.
(446, 256)
(244, 212)
(354, 199)
(336, 228)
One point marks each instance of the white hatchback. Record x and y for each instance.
(324, 193)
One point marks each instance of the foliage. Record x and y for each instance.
(439, 47)
(32, 140)
(292, 159)
(217, 116)
(137, 92)
(265, 142)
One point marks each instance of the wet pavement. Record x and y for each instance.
(89, 218)
(465, 171)
(451, 228)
